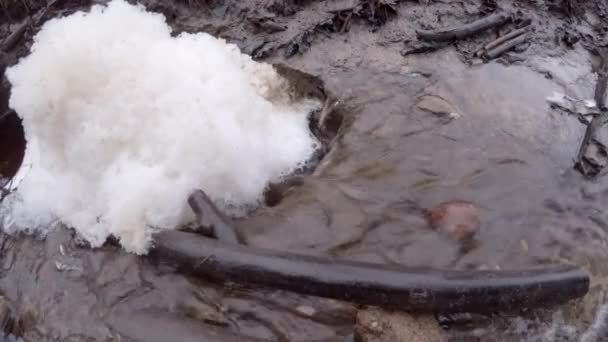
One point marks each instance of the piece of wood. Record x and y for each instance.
(500, 40)
(209, 217)
(598, 121)
(505, 46)
(602, 80)
(388, 286)
(466, 30)
(9, 42)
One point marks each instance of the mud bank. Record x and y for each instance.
(417, 131)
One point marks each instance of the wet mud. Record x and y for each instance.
(415, 130)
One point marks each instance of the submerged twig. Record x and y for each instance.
(466, 30)
(422, 290)
(210, 218)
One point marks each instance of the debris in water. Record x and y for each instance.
(506, 46)
(459, 219)
(306, 310)
(466, 30)
(210, 218)
(599, 327)
(128, 120)
(592, 155)
(501, 40)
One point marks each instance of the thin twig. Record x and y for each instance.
(599, 120)
(209, 216)
(466, 30)
(602, 80)
(11, 41)
(500, 40)
(504, 47)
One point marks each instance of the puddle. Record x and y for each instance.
(483, 134)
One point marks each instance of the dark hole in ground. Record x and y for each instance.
(324, 123)
(12, 146)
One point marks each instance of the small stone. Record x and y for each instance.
(306, 310)
(437, 106)
(458, 219)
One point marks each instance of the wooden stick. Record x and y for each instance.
(9, 42)
(505, 46)
(602, 80)
(211, 218)
(500, 40)
(466, 30)
(596, 123)
(599, 120)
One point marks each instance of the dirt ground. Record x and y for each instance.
(421, 124)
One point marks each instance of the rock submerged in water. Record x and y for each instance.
(376, 325)
(458, 219)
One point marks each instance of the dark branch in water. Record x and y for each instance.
(583, 164)
(466, 30)
(402, 288)
(211, 219)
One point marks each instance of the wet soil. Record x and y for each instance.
(416, 131)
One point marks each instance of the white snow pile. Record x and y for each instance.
(123, 121)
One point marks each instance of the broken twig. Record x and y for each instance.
(210, 218)
(491, 45)
(466, 30)
(602, 81)
(504, 47)
(583, 164)
(12, 40)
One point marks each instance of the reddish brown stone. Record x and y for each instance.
(459, 219)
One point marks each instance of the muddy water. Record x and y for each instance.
(417, 131)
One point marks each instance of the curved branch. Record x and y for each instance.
(466, 30)
(392, 287)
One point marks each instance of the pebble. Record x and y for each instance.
(458, 219)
